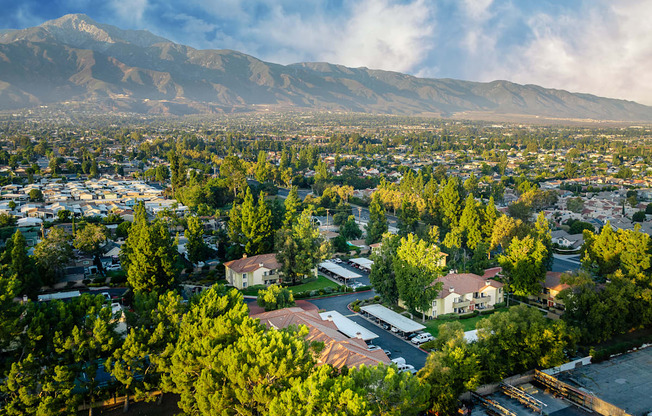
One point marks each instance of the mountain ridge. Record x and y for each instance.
(75, 59)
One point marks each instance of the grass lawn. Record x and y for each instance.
(469, 324)
(308, 284)
(313, 284)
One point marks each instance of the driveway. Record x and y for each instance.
(386, 340)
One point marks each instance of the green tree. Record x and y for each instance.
(144, 358)
(301, 248)
(524, 264)
(234, 172)
(196, 246)
(89, 238)
(377, 225)
(382, 275)
(250, 225)
(451, 370)
(36, 195)
(53, 253)
(470, 223)
(350, 229)
(94, 171)
(521, 339)
(292, 207)
(575, 204)
(638, 216)
(263, 168)
(417, 267)
(64, 215)
(323, 393)
(22, 266)
(227, 363)
(275, 297)
(390, 392)
(408, 218)
(149, 254)
(450, 202)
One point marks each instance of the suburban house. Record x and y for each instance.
(339, 350)
(463, 293)
(565, 239)
(249, 271)
(549, 291)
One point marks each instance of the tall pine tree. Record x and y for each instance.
(377, 225)
(149, 255)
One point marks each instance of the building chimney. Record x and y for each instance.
(451, 289)
(488, 282)
(329, 318)
(244, 256)
(358, 334)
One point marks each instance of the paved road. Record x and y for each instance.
(386, 340)
(564, 264)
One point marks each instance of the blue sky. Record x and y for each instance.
(601, 47)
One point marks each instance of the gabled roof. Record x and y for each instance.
(553, 282)
(463, 283)
(250, 264)
(339, 350)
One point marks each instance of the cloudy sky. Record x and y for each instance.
(602, 47)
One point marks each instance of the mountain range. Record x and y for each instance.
(74, 60)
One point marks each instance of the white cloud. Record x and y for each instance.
(130, 11)
(379, 34)
(605, 50)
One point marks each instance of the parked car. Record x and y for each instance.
(411, 335)
(407, 368)
(387, 353)
(421, 338)
(372, 347)
(402, 366)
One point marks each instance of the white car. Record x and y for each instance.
(372, 347)
(421, 338)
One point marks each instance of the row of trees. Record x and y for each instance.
(508, 343)
(612, 294)
(209, 352)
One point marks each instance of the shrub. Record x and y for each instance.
(356, 308)
(363, 288)
(313, 293)
(275, 297)
(430, 345)
(470, 315)
(328, 289)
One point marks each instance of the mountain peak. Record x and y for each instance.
(80, 30)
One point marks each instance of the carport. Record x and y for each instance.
(348, 327)
(336, 271)
(362, 264)
(382, 314)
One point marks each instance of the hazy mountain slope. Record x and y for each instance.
(76, 59)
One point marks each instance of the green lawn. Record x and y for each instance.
(308, 284)
(313, 284)
(469, 324)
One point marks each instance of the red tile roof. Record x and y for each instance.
(463, 283)
(553, 281)
(250, 264)
(339, 350)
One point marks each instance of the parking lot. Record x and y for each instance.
(386, 340)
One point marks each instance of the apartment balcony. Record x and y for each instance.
(461, 304)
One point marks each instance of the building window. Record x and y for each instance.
(244, 284)
(244, 275)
